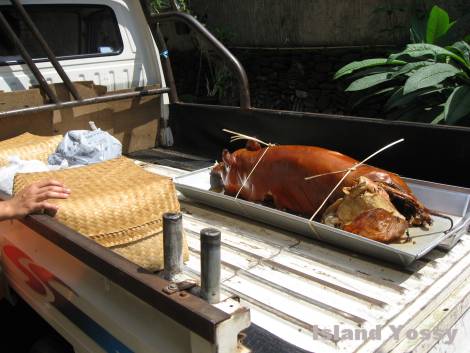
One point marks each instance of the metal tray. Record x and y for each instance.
(449, 200)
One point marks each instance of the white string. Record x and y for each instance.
(249, 175)
(324, 174)
(349, 172)
(238, 136)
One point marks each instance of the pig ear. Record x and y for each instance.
(227, 158)
(253, 145)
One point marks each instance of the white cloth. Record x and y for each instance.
(17, 165)
(82, 147)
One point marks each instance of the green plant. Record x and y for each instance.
(224, 35)
(433, 28)
(425, 82)
(162, 5)
(220, 82)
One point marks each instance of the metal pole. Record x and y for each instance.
(164, 55)
(172, 245)
(86, 101)
(42, 42)
(245, 101)
(27, 59)
(210, 265)
(166, 64)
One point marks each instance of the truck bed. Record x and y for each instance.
(300, 290)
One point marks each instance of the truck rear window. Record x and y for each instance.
(70, 30)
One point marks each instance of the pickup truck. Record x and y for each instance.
(280, 292)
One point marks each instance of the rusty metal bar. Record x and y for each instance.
(166, 64)
(161, 45)
(42, 42)
(245, 101)
(86, 101)
(28, 59)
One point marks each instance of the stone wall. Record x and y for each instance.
(303, 80)
(299, 80)
(302, 23)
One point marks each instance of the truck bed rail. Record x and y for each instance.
(189, 310)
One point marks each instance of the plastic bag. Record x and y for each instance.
(17, 165)
(82, 147)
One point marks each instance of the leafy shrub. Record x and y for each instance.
(162, 5)
(429, 81)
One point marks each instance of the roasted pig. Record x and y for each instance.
(280, 177)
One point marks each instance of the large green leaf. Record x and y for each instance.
(458, 105)
(418, 50)
(430, 114)
(407, 114)
(419, 114)
(411, 67)
(371, 71)
(359, 65)
(429, 76)
(461, 48)
(398, 94)
(438, 24)
(423, 50)
(368, 81)
(438, 118)
(373, 94)
(400, 99)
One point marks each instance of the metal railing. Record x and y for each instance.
(245, 100)
(55, 104)
(27, 59)
(47, 50)
(86, 101)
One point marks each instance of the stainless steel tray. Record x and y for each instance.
(448, 200)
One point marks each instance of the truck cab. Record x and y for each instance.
(107, 42)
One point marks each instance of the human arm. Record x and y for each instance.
(33, 198)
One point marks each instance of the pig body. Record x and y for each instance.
(280, 175)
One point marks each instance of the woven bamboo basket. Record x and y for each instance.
(117, 204)
(28, 147)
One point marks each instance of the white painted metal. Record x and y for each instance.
(294, 284)
(449, 316)
(124, 316)
(137, 325)
(132, 68)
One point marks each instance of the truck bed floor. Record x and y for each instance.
(299, 290)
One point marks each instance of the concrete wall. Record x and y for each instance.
(293, 23)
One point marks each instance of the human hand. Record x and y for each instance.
(34, 198)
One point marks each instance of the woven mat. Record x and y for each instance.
(28, 147)
(117, 204)
(147, 252)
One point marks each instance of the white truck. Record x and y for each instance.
(281, 292)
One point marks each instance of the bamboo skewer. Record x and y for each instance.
(349, 172)
(238, 136)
